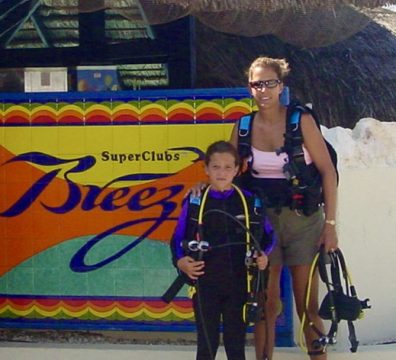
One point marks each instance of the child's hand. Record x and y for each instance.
(191, 267)
(262, 261)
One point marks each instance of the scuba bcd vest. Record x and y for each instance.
(304, 180)
(340, 302)
(257, 237)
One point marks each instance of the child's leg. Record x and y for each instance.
(207, 315)
(234, 328)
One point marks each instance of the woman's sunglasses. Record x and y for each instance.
(261, 84)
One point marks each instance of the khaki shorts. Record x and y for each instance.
(297, 237)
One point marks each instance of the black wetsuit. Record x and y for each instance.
(221, 292)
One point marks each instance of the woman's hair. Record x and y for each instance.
(280, 66)
(222, 147)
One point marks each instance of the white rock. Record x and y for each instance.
(371, 143)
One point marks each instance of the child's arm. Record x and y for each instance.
(267, 243)
(187, 264)
(179, 234)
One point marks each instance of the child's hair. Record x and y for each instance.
(280, 66)
(222, 147)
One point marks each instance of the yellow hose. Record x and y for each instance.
(301, 341)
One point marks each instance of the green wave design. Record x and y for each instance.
(145, 270)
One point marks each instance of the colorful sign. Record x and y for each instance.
(90, 190)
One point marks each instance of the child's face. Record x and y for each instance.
(221, 170)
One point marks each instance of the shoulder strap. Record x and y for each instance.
(294, 139)
(193, 207)
(263, 229)
(244, 125)
(194, 203)
(196, 200)
(330, 148)
(245, 135)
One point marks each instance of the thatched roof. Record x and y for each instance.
(320, 22)
(383, 17)
(312, 27)
(345, 82)
(305, 23)
(266, 5)
(54, 25)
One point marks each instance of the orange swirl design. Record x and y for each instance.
(100, 309)
(145, 112)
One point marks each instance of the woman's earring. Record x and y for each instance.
(284, 96)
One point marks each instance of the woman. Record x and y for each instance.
(299, 235)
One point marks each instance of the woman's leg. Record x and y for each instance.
(264, 330)
(300, 276)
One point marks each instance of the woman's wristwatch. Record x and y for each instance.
(330, 222)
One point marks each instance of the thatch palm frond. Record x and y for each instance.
(305, 23)
(314, 28)
(268, 5)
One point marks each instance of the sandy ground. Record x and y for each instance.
(23, 351)
(18, 344)
(96, 337)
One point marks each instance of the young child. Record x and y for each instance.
(212, 245)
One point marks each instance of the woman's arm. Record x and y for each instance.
(315, 144)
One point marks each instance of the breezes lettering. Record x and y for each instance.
(143, 156)
(89, 197)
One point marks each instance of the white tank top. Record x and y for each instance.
(269, 165)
